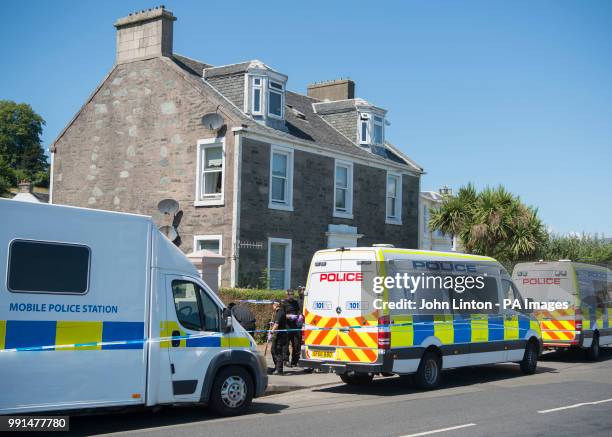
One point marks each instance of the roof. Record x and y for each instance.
(432, 195)
(194, 67)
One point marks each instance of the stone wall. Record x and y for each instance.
(313, 197)
(135, 143)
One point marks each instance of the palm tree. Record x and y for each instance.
(492, 222)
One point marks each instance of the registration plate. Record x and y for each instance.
(329, 354)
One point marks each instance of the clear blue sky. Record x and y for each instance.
(517, 93)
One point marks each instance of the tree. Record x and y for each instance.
(21, 152)
(492, 222)
(582, 248)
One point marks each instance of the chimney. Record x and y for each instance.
(340, 89)
(25, 187)
(144, 34)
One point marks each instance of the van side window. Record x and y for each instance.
(487, 294)
(47, 267)
(211, 313)
(186, 301)
(511, 292)
(195, 310)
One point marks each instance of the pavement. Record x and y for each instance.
(294, 378)
(567, 396)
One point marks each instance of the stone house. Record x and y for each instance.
(270, 179)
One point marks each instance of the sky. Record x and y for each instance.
(491, 92)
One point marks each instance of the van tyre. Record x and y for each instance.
(592, 353)
(356, 378)
(429, 372)
(232, 391)
(529, 363)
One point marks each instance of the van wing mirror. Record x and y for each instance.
(226, 321)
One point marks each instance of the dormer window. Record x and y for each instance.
(266, 95)
(276, 96)
(371, 128)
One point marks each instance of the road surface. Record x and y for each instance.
(568, 396)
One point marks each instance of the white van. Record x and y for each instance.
(349, 329)
(99, 309)
(586, 292)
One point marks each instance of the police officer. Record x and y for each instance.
(278, 335)
(292, 308)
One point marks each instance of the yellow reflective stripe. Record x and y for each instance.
(68, 332)
(442, 254)
(535, 326)
(402, 336)
(165, 331)
(443, 328)
(2, 333)
(480, 327)
(511, 328)
(227, 341)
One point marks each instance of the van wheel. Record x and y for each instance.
(356, 378)
(592, 353)
(231, 392)
(529, 363)
(429, 372)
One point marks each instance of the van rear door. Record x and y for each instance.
(320, 327)
(357, 339)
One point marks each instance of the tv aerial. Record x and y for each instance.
(169, 208)
(213, 120)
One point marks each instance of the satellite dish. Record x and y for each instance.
(213, 120)
(168, 206)
(169, 232)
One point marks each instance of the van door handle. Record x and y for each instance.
(177, 342)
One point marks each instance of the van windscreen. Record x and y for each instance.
(46, 267)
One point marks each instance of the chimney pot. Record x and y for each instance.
(339, 89)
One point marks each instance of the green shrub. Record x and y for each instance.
(262, 311)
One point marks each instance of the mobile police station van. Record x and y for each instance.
(357, 333)
(586, 290)
(99, 309)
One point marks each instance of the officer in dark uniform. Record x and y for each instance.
(292, 308)
(278, 336)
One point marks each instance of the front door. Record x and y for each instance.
(191, 335)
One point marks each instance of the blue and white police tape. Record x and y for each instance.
(121, 344)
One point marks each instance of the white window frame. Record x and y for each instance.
(382, 128)
(397, 220)
(281, 92)
(208, 237)
(205, 144)
(288, 204)
(349, 190)
(261, 88)
(289, 243)
(364, 119)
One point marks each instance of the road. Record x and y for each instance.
(566, 397)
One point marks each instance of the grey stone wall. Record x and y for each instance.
(135, 143)
(313, 203)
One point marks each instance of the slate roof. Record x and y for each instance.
(301, 121)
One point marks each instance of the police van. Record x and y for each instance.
(99, 309)
(364, 315)
(582, 293)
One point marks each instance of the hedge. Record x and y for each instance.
(262, 312)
